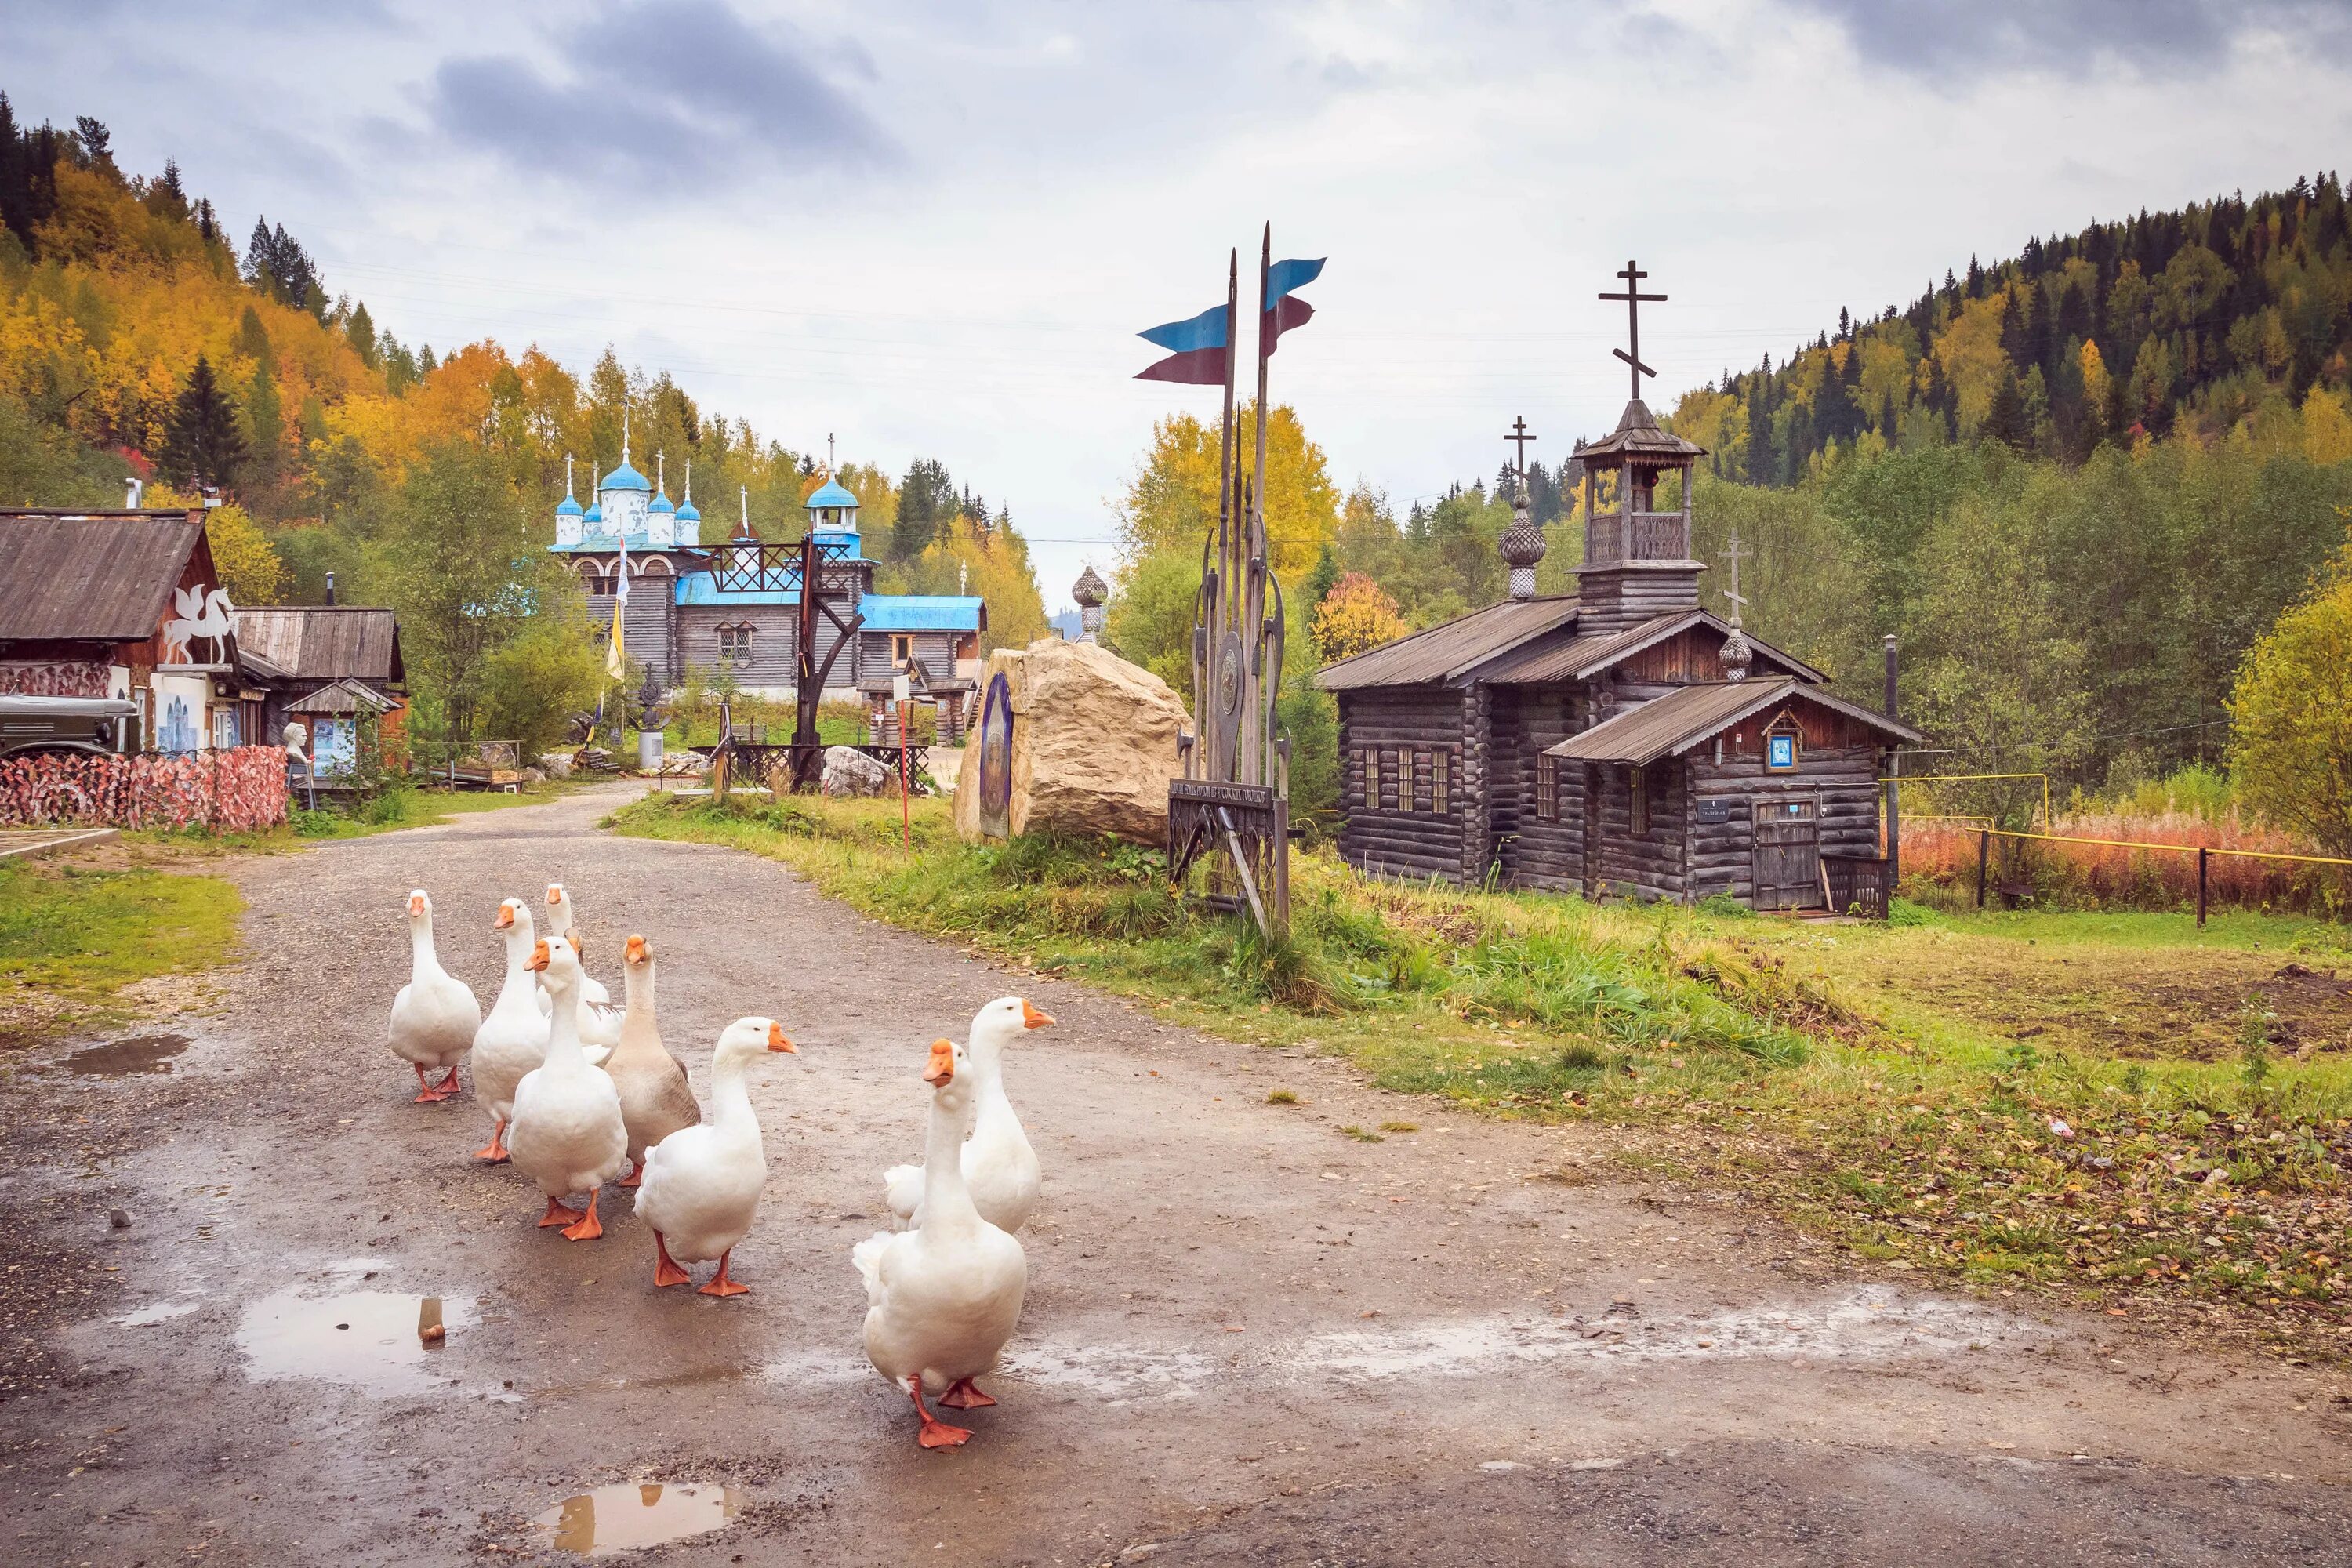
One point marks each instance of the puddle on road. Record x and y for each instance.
(119, 1058)
(626, 1517)
(156, 1312)
(369, 1340)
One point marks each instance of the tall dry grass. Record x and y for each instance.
(1939, 864)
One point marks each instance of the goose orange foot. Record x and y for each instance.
(962, 1396)
(936, 1433)
(448, 1085)
(557, 1215)
(665, 1270)
(636, 1174)
(496, 1151)
(587, 1229)
(719, 1284)
(429, 1092)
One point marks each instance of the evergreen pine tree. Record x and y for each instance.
(358, 329)
(202, 443)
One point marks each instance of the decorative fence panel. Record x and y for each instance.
(239, 788)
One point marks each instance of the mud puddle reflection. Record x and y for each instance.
(629, 1516)
(119, 1059)
(376, 1340)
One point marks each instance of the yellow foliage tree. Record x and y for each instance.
(969, 557)
(248, 563)
(1355, 616)
(2291, 718)
(1173, 501)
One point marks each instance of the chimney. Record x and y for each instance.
(135, 484)
(331, 587)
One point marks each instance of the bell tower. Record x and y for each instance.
(1637, 558)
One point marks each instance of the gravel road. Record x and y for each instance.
(1249, 1339)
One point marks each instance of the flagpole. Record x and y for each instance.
(1228, 518)
(1254, 594)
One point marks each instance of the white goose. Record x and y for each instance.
(999, 1169)
(600, 1021)
(435, 1016)
(942, 1299)
(568, 1135)
(701, 1183)
(513, 1039)
(655, 1098)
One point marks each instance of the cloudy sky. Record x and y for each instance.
(934, 228)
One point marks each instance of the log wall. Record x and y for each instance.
(1379, 732)
(1536, 851)
(1842, 781)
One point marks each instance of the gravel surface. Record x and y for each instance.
(1249, 1339)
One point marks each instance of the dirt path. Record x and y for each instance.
(1249, 1339)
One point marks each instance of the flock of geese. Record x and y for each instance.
(582, 1093)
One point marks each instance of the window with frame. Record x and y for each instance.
(1367, 781)
(902, 650)
(1388, 764)
(1441, 782)
(1547, 787)
(1637, 783)
(735, 644)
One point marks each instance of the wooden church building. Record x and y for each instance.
(1620, 742)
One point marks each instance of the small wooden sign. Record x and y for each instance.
(1715, 811)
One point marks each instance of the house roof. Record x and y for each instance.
(923, 613)
(106, 576)
(1451, 650)
(325, 642)
(338, 698)
(1672, 724)
(1586, 657)
(1638, 435)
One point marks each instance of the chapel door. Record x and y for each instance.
(1787, 853)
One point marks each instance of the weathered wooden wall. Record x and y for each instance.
(936, 649)
(1610, 599)
(1654, 864)
(1843, 781)
(1534, 851)
(1378, 835)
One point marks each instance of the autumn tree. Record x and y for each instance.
(1357, 615)
(2291, 741)
(1172, 500)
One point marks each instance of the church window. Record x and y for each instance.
(902, 650)
(1440, 782)
(1547, 787)
(735, 644)
(1391, 763)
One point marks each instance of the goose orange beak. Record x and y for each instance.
(554, 893)
(942, 1066)
(1033, 1020)
(776, 1041)
(634, 949)
(537, 954)
(506, 917)
(415, 903)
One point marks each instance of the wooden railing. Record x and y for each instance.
(1651, 536)
(1857, 884)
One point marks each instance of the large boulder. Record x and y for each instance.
(555, 764)
(1093, 745)
(848, 771)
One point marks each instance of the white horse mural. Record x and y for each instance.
(207, 615)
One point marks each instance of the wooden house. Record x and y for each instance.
(125, 605)
(1619, 742)
(331, 666)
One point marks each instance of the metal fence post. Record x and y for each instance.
(1984, 851)
(2204, 857)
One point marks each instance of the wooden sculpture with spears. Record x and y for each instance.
(1233, 800)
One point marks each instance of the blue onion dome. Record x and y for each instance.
(567, 507)
(661, 503)
(624, 478)
(831, 493)
(686, 514)
(595, 512)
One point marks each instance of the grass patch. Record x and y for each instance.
(2110, 1105)
(72, 939)
(1363, 1135)
(1281, 1096)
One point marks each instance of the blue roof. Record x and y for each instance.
(624, 478)
(921, 613)
(831, 493)
(687, 514)
(595, 512)
(567, 507)
(661, 503)
(702, 588)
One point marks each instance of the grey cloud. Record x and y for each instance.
(657, 93)
(2161, 36)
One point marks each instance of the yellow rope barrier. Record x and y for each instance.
(2180, 848)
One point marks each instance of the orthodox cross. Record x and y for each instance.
(829, 453)
(1734, 555)
(1519, 438)
(1632, 296)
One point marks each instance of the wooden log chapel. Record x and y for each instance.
(1620, 742)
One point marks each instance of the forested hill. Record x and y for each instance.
(134, 338)
(2179, 322)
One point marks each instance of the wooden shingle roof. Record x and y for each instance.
(99, 577)
(1451, 651)
(1586, 657)
(325, 642)
(1672, 724)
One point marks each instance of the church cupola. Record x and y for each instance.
(625, 495)
(1637, 558)
(689, 522)
(568, 515)
(833, 513)
(1522, 544)
(661, 517)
